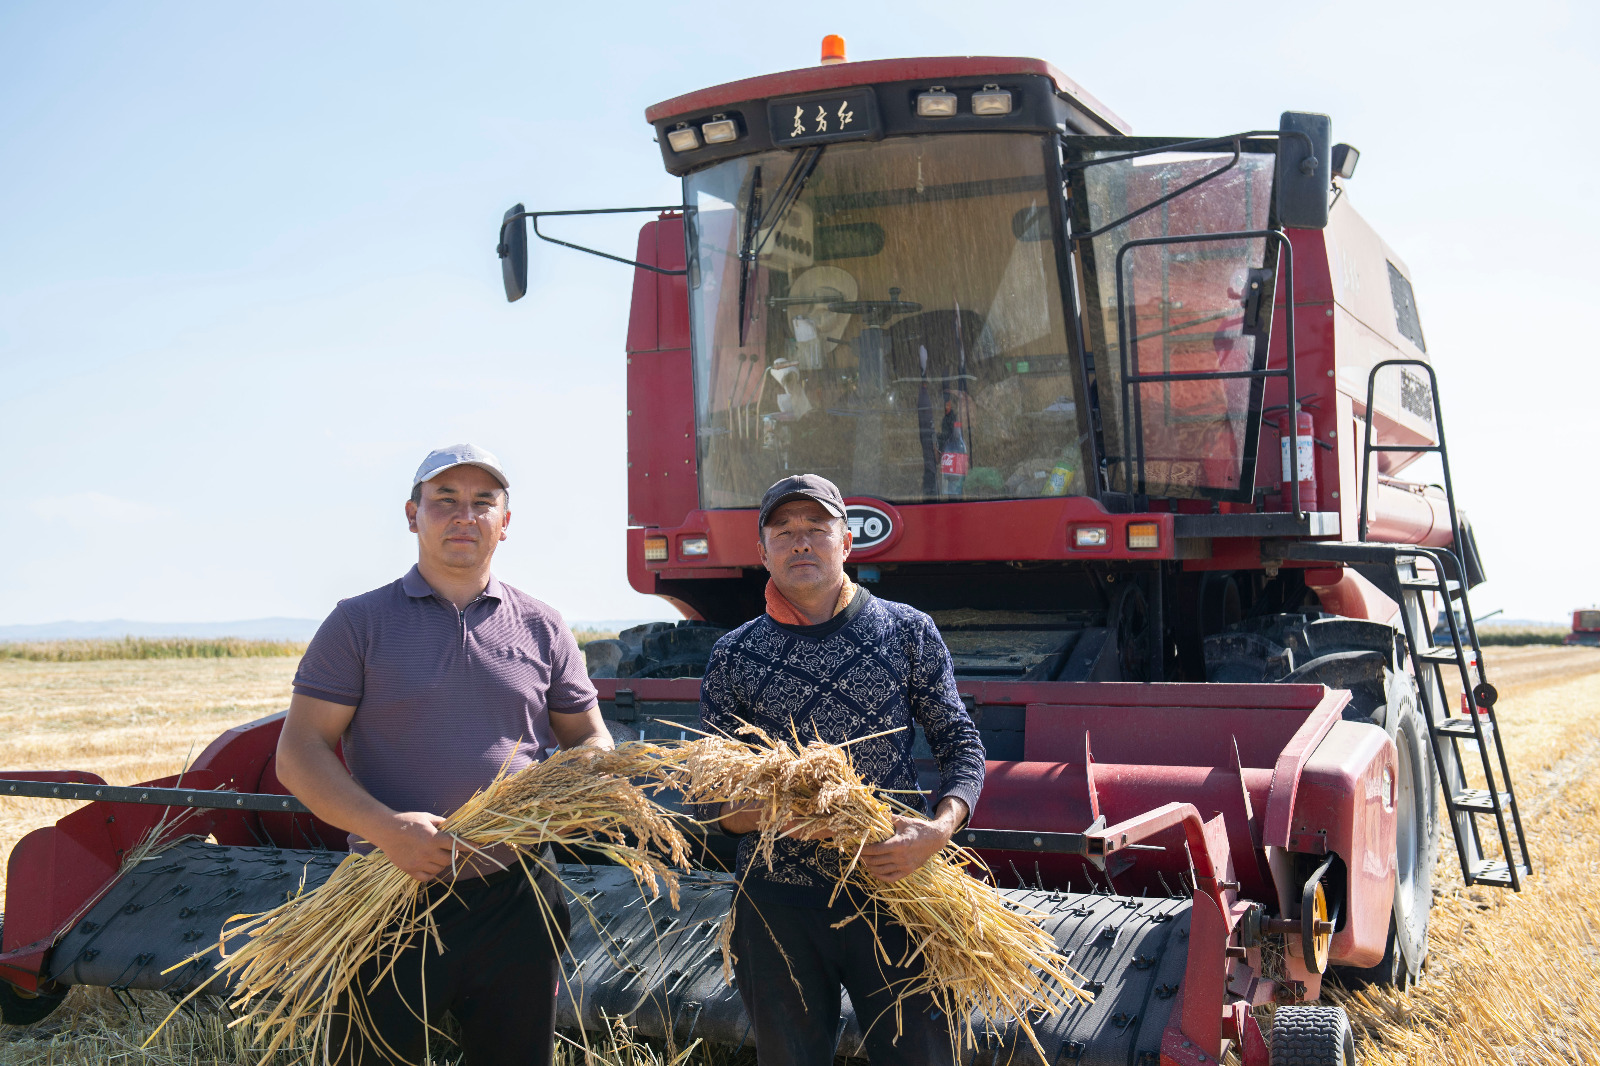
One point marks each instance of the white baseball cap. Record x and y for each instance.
(441, 459)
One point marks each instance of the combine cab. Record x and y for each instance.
(1128, 417)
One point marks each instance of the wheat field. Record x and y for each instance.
(1511, 978)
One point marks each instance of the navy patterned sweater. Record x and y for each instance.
(875, 666)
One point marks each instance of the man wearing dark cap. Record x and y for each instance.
(434, 683)
(830, 661)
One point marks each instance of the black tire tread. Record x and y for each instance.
(1311, 1036)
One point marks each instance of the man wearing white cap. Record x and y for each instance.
(433, 683)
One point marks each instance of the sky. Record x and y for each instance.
(249, 277)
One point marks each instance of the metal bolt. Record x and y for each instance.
(1038, 842)
(1330, 312)
(1330, 373)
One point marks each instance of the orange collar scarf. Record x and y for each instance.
(781, 610)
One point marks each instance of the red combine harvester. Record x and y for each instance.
(1585, 628)
(1126, 415)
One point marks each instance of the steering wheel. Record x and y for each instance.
(876, 312)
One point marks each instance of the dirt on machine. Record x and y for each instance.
(1131, 418)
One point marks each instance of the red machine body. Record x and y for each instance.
(1177, 704)
(1585, 628)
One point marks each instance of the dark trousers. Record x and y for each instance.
(791, 963)
(498, 976)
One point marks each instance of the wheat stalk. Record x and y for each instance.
(290, 966)
(983, 956)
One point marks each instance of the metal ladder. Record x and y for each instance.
(1407, 573)
(1420, 571)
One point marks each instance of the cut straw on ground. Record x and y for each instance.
(291, 967)
(982, 958)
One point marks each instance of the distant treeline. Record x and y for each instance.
(586, 635)
(81, 651)
(1521, 634)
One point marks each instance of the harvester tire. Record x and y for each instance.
(1358, 656)
(655, 650)
(24, 1008)
(1311, 1036)
(1417, 825)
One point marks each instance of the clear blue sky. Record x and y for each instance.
(248, 277)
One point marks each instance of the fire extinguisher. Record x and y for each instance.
(1306, 442)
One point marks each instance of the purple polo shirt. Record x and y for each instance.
(444, 698)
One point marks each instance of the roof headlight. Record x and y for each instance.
(991, 100)
(936, 103)
(683, 139)
(720, 130)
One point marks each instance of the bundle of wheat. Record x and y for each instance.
(298, 959)
(984, 959)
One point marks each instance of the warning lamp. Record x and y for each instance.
(991, 100)
(1345, 158)
(936, 103)
(655, 549)
(691, 546)
(1144, 535)
(720, 130)
(1091, 537)
(832, 49)
(684, 138)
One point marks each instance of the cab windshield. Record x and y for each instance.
(887, 315)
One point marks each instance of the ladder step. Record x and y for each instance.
(1430, 584)
(1434, 653)
(1457, 727)
(1479, 801)
(1493, 872)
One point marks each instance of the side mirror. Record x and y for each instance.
(513, 250)
(1305, 169)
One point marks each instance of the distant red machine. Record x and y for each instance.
(1585, 627)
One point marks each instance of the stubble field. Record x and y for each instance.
(1511, 978)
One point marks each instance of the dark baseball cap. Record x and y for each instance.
(801, 487)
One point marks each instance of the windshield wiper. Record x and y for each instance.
(752, 226)
(784, 197)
